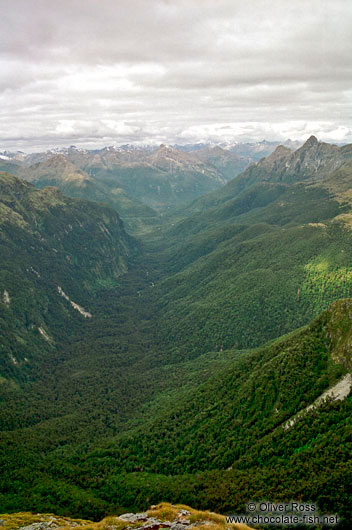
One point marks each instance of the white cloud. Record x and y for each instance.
(92, 71)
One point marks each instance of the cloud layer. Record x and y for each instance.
(96, 72)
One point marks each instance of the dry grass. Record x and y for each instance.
(163, 511)
(169, 512)
(108, 523)
(13, 521)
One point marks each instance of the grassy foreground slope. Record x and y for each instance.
(162, 515)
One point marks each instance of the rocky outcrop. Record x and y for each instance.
(181, 521)
(163, 515)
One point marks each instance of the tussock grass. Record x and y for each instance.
(108, 523)
(164, 511)
(13, 521)
(169, 512)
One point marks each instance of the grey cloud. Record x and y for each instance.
(101, 70)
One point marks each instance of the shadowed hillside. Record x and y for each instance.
(172, 368)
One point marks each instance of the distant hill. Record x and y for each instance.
(163, 178)
(126, 177)
(58, 170)
(209, 363)
(228, 163)
(10, 164)
(258, 150)
(253, 151)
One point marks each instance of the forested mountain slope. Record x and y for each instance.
(50, 269)
(237, 422)
(161, 179)
(58, 170)
(222, 442)
(263, 262)
(314, 161)
(158, 395)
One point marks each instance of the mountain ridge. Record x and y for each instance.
(314, 161)
(58, 170)
(174, 174)
(217, 332)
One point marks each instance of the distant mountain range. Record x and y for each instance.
(137, 180)
(207, 361)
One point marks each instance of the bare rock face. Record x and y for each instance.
(276, 160)
(314, 161)
(153, 523)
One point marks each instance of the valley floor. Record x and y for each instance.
(199, 350)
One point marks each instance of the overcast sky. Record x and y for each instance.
(102, 72)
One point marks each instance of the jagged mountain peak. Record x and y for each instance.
(195, 159)
(312, 140)
(314, 160)
(215, 151)
(212, 149)
(55, 159)
(314, 145)
(163, 148)
(282, 150)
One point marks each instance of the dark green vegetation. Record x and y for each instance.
(171, 390)
(47, 256)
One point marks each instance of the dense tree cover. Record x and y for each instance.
(157, 397)
(46, 245)
(226, 415)
(229, 420)
(238, 285)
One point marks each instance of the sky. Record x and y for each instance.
(102, 72)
